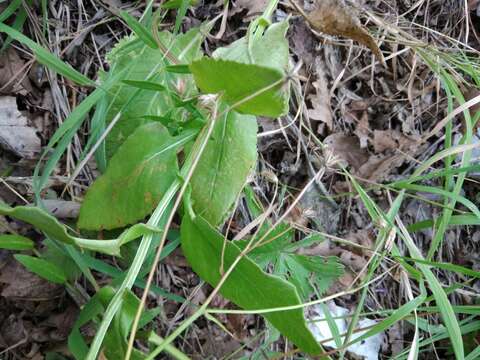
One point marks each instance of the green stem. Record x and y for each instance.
(142, 252)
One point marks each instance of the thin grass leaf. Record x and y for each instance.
(145, 85)
(436, 174)
(178, 69)
(398, 315)
(446, 266)
(42, 268)
(461, 220)
(64, 135)
(17, 25)
(46, 58)
(446, 310)
(182, 11)
(448, 194)
(140, 30)
(10, 10)
(475, 354)
(15, 242)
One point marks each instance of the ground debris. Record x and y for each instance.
(333, 17)
(15, 133)
(12, 74)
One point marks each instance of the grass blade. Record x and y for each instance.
(140, 30)
(46, 58)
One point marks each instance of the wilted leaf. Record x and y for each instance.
(247, 87)
(333, 17)
(247, 286)
(227, 161)
(12, 68)
(137, 176)
(42, 268)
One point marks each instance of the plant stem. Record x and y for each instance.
(187, 171)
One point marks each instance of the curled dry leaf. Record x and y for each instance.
(333, 17)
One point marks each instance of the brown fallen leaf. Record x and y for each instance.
(333, 17)
(15, 133)
(321, 108)
(473, 5)
(20, 284)
(347, 149)
(384, 140)
(254, 7)
(12, 74)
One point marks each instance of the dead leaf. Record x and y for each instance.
(473, 5)
(15, 133)
(363, 237)
(333, 17)
(384, 140)
(362, 130)
(353, 261)
(321, 106)
(62, 209)
(20, 284)
(254, 7)
(347, 149)
(324, 214)
(378, 167)
(12, 74)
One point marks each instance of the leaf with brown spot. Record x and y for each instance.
(137, 177)
(333, 17)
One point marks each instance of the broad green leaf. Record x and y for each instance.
(135, 180)
(309, 274)
(226, 162)
(142, 63)
(42, 268)
(247, 286)
(46, 223)
(249, 89)
(269, 49)
(15, 242)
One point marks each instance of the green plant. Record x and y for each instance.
(148, 110)
(174, 133)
